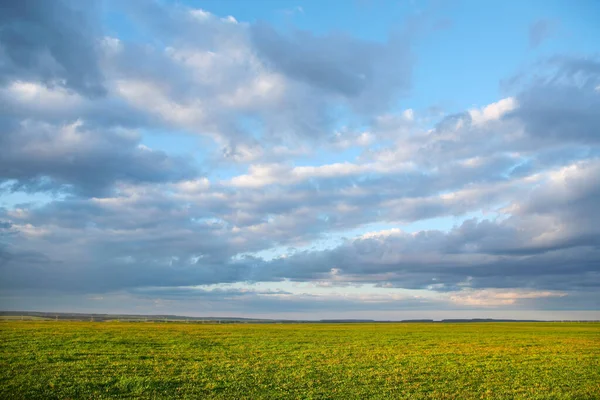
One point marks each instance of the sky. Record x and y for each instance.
(301, 159)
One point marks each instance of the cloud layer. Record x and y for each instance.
(311, 183)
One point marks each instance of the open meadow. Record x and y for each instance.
(60, 359)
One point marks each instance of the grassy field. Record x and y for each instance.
(48, 359)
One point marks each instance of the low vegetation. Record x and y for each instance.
(60, 359)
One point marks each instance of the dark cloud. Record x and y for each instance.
(78, 158)
(368, 74)
(54, 42)
(126, 243)
(563, 107)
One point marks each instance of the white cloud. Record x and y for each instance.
(149, 96)
(230, 19)
(39, 96)
(493, 111)
(383, 233)
(193, 186)
(499, 297)
(264, 175)
(200, 14)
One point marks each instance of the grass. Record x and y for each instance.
(48, 359)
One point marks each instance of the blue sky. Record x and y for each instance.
(301, 159)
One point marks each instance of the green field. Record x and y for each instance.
(40, 359)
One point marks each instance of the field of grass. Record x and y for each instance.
(48, 359)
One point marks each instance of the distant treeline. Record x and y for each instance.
(38, 315)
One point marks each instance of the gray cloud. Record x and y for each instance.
(152, 241)
(74, 157)
(368, 72)
(54, 42)
(563, 107)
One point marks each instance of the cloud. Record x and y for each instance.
(222, 86)
(493, 111)
(74, 157)
(538, 245)
(560, 105)
(539, 31)
(367, 74)
(315, 182)
(498, 298)
(51, 42)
